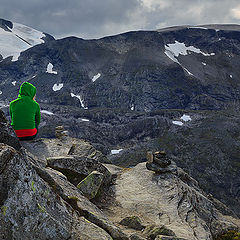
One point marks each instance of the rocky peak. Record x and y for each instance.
(5, 24)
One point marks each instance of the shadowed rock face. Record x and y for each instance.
(4, 24)
(7, 135)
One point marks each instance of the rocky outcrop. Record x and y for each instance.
(152, 231)
(40, 203)
(7, 135)
(171, 200)
(37, 201)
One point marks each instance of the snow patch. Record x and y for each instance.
(0, 92)
(18, 39)
(231, 76)
(179, 123)
(47, 112)
(80, 99)
(116, 151)
(85, 120)
(96, 77)
(57, 87)
(49, 69)
(132, 107)
(186, 118)
(188, 71)
(14, 83)
(203, 63)
(177, 48)
(199, 28)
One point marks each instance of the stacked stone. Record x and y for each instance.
(160, 163)
(60, 132)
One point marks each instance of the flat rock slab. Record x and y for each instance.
(164, 199)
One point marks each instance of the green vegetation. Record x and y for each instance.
(41, 208)
(33, 188)
(230, 235)
(4, 210)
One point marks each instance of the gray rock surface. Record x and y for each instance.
(84, 148)
(77, 168)
(161, 237)
(39, 202)
(152, 231)
(136, 237)
(132, 222)
(91, 184)
(170, 199)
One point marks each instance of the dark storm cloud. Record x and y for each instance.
(97, 18)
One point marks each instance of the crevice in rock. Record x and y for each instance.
(73, 177)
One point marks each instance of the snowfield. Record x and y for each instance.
(18, 39)
(173, 50)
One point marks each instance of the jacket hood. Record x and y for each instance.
(27, 89)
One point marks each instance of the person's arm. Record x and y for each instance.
(38, 116)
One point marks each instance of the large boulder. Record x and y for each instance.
(77, 168)
(90, 185)
(132, 222)
(44, 148)
(152, 231)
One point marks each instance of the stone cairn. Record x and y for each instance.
(60, 132)
(160, 163)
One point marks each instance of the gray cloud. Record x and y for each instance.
(98, 18)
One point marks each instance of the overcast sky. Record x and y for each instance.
(99, 18)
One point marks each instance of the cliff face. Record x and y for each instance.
(40, 197)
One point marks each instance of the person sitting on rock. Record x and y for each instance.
(25, 113)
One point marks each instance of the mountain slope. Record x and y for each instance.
(188, 68)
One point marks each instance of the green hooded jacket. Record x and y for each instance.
(24, 111)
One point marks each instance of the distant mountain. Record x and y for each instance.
(118, 92)
(181, 67)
